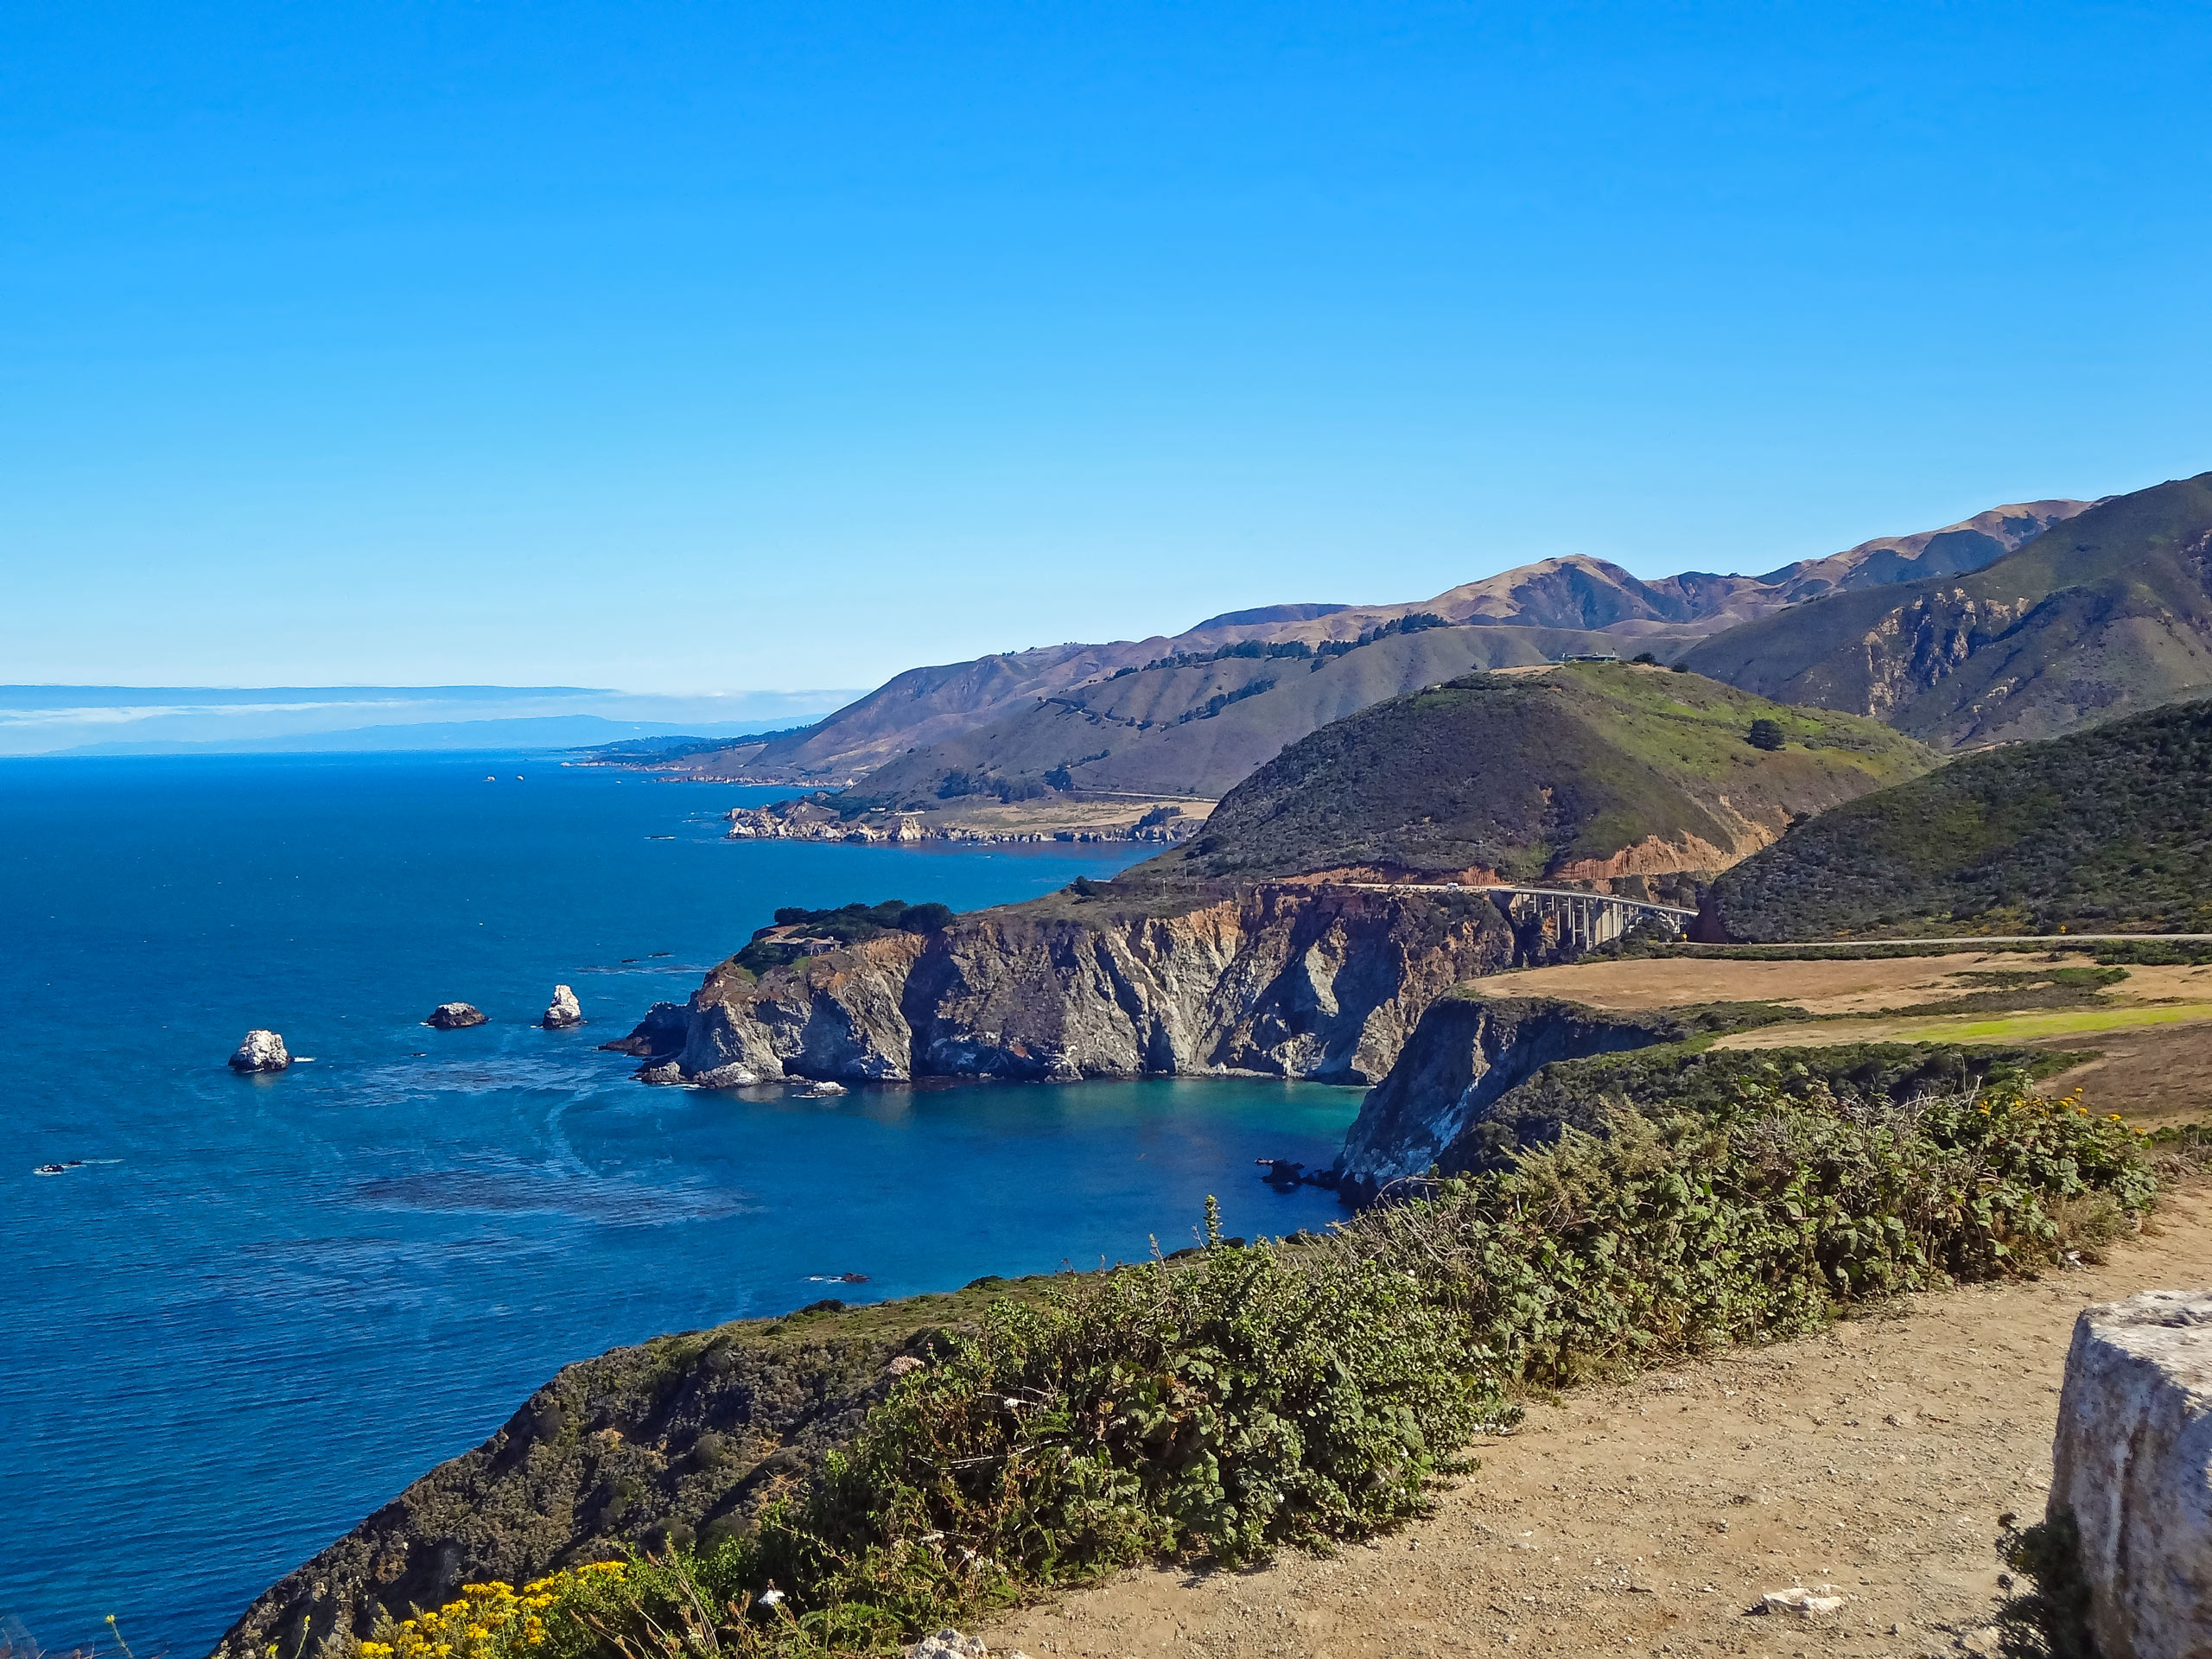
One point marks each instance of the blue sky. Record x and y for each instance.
(695, 347)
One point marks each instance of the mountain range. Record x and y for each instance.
(2108, 613)
(1194, 713)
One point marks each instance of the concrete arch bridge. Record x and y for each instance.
(1583, 919)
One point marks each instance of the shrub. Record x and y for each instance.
(1244, 1398)
(848, 923)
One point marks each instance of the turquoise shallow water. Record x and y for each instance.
(275, 1301)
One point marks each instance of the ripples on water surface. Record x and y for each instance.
(289, 1296)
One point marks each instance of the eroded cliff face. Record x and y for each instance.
(1467, 1054)
(1285, 981)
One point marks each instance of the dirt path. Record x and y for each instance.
(1645, 1518)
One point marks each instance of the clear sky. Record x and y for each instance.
(687, 348)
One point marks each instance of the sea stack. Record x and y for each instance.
(563, 1013)
(262, 1051)
(453, 1016)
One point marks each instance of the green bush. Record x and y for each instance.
(1299, 1393)
(848, 923)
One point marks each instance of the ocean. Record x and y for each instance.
(259, 1307)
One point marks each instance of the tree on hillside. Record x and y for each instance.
(1765, 734)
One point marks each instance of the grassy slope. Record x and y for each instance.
(1530, 774)
(2107, 830)
(1127, 735)
(2104, 613)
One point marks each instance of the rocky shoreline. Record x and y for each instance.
(1325, 985)
(807, 819)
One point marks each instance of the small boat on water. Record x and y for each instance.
(58, 1169)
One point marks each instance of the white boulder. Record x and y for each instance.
(563, 1013)
(2133, 1460)
(1800, 1601)
(950, 1644)
(262, 1051)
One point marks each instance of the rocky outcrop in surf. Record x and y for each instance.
(454, 1016)
(261, 1051)
(563, 1013)
(1278, 981)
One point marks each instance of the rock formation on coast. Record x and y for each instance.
(563, 1013)
(1303, 982)
(454, 1016)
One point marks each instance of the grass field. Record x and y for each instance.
(2019, 1026)
(1959, 1028)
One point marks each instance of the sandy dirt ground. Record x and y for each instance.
(1646, 1518)
(1817, 987)
(2151, 1076)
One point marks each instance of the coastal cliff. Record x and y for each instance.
(1467, 1054)
(1282, 981)
(677, 1440)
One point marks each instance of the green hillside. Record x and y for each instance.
(1582, 772)
(1196, 723)
(2108, 831)
(2102, 615)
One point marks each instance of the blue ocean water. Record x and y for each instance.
(263, 1305)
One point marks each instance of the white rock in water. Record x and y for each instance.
(666, 1072)
(821, 1091)
(2134, 1463)
(732, 1076)
(262, 1051)
(563, 1013)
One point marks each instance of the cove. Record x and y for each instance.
(286, 1297)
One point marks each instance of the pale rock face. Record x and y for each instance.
(262, 1051)
(563, 1013)
(454, 1016)
(2133, 1460)
(1287, 982)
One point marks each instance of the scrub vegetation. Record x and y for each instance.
(775, 947)
(2104, 831)
(1215, 1405)
(1528, 774)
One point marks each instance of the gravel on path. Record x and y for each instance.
(1647, 1517)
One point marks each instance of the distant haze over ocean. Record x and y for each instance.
(160, 720)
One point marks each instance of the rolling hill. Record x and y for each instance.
(1599, 772)
(1196, 728)
(996, 713)
(2107, 830)
(2108, 613)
